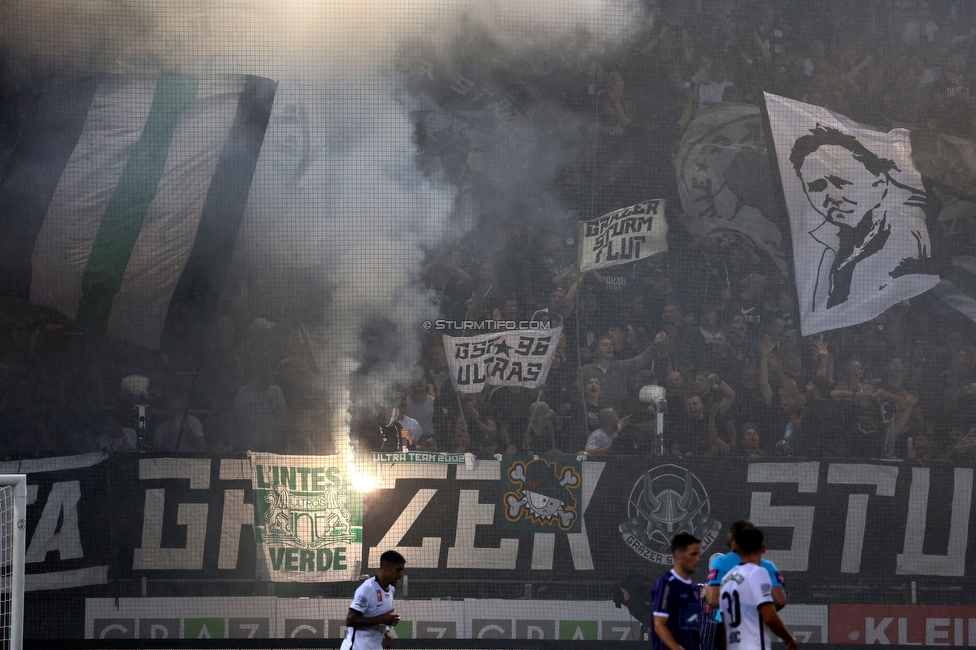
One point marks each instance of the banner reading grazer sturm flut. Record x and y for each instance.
(308, 521)
(625, 235)
(510, 358)
(855, 202)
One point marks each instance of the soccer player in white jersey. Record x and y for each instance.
(746, 599)
(371, 616)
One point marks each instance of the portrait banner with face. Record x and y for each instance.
(622, 236)
(855, 202)
(509, 358)
(725, 181)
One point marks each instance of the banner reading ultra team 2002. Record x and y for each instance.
(308, 521)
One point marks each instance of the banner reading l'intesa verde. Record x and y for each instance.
(308, 521)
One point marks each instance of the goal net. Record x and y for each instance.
(13, 505)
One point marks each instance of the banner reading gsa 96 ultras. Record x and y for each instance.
(625, 235)
(510, 358)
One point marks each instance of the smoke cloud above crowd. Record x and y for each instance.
(341, 214)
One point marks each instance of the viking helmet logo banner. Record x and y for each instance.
(665, 501)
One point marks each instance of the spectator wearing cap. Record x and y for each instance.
(559, 307)
(540, 437)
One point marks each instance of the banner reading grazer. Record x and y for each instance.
(855, 202)
(511, 358)
(624, 235)
(308, 521)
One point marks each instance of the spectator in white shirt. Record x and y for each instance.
(601, 440)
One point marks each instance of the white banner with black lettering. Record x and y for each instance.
(625, 235)
(510, 358)
(855, 202)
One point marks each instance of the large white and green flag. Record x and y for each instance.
(308, 521)
(125, 194)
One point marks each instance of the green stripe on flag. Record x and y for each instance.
(125, 213)
(963, 280)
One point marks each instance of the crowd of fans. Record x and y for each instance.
(714, 323)
(255, 385)
(740, 380)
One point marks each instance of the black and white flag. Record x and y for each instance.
(725, 182)
(509, 358)
(855, 203)
(623, 236)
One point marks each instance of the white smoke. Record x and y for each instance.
(337, 190)
(270, 36)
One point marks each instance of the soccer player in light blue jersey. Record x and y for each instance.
(722, 564)
(748, 613)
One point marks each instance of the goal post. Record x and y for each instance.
(13, 543)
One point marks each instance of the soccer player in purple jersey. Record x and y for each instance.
(677, 600)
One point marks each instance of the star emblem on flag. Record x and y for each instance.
(502, 347)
